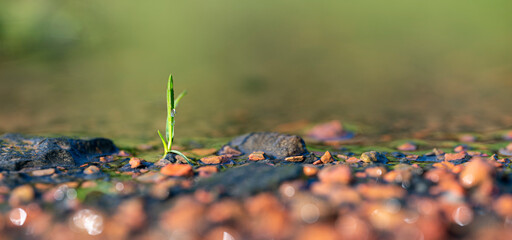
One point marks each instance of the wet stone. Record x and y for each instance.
(294, 159)
(18, 152)
(43, 172)
(327, 157)
(91, 170)
(177, 170)
(373, 156)
(250, 179)
(274, 145)
(257, 156)
(215, 159)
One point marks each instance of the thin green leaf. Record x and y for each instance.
(170, 107)
(181, 154)
(163, 142)
(182, 94)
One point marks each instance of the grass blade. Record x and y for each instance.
(182, 94)
(170, 107)
(181, 154)
(163, 142)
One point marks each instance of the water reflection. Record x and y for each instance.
(462, 216)
(89, 221)
(227, 236)
(18, 216)
(309, 213)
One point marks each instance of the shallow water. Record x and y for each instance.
(97, 69)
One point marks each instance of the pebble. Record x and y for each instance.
(310, 171)
(135, 162)
(21, 194)
(503, 206)
(327, 157)
(215, 159)
(336, 174)
(295, 159)
(455, 156)
(318, 231)
(352, 160)
(476, 171)
(460, 148)
(207, 171)
(257, 156)
(380, 192)
(375, 171)
(123, 153)
(131, 214)
(373, 156)
(223, 211)
(91, 170)
(227, 150)
(43, 172)
(408, 146)
(177, 170)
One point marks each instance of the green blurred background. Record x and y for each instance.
(100, 67)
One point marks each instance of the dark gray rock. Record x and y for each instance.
(250, 179)
(275, 145)
(18, 152)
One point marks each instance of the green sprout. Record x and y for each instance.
(171, 113)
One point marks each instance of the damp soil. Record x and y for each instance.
(258, 186)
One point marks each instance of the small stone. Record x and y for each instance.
(135, 162)
(123, 153)
(275, 145)
(318, 231)
(375, 171)
(310, 171)
(503, 206)
(295, 159)
(476, 171)
(151, 177)
(207, 171)
(455, 156)
(373, 156)
(215, 159)
(408, 146)
(257, 156)
(438, 152)
(177, 170)
(21, 194)
(227, 150)
(91, 170)
(203, 151)
(317, 162)
(379, 192)
(43, 172)
(106, 159)
(335, 174)
(327, 157)
(460, 148)
(352, 160)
